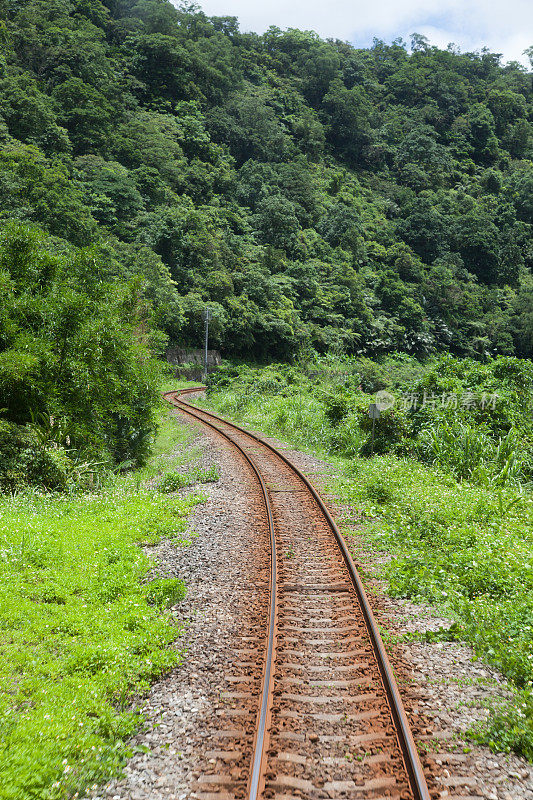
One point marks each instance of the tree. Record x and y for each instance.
(523, 320)
(425, 228)
(318, 67)
(421, 162)
(476, 239)
(507, 107)
(522, 193)
(341, 225)
(29, 115)
(363, 198)
(71, 347)
(165, 68)
(85, 113)
(33, 189)
(277, 222)
(250, 128)
(482, 134)
(348, 113)
(109, 192)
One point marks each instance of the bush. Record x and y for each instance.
(222, 377)
(391, 434)
(173, 481)
(25, 461)
(346, 437)
(371, 376)
(500, 393)
(511, 727)
(474, 439)
(471, 454)
(337, 405)
(487, 435)
(73, 346)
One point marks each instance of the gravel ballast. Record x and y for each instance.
(182, 710)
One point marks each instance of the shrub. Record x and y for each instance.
(391, 434)
(371, 376)
(337, 405)
(73, 346)
(26, 461)
(222, 377)
(511, 727)
(173, 481)
(485, 441)
(346, 437)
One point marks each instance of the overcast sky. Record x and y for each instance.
(505, 26)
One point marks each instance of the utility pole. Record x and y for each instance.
(374, 413)
(207, 317)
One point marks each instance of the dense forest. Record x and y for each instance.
(312, 193)
(319, 197)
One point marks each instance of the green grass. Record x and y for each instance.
(463, 547)
(172, 481)
(469, 551)
(83, 630)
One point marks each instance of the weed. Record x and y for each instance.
(81, 633)
(172, 481)
(165, 592)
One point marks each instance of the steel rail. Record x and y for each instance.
(413, 766)
(256, 783)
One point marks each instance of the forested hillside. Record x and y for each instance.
(363, 200)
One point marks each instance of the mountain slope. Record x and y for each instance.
(316, 195)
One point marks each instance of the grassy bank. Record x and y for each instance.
(464, 546)
(83, 627)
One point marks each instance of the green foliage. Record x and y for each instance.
(165, 592)
(457, 531)
(511, 727)
(472, 419)
(84, 633)
(487, 434)
(26, 461)
(71, 583)
(315, 194)
(71, 348)
(471, 454)
(85, 113)
(392, 431)
(172, 481)
(337, 405)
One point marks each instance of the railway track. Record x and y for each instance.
(314, 710)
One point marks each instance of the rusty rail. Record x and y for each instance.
(404, 736)
(256, 783)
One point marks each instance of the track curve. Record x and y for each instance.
(284, 761)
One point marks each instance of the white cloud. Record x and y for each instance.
(505, 26)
